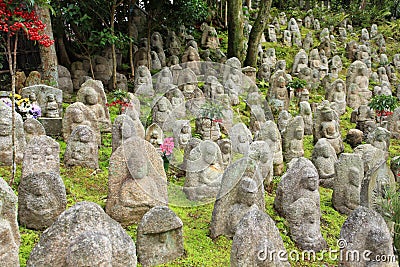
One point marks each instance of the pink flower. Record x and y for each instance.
(167, 146)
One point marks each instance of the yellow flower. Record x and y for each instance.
(17, 96)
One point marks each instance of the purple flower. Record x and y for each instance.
(167, 146)
(7, 101)
(35, 111)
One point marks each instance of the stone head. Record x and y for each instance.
(138, 166)
(309, 178)
(50, 98)
(29, 127)
(209, 152)
(91, 96)
(77, 115)
(247, 192)
(85, 135)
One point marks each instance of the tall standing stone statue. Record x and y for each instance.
(124, 128)
(366, 231)
(92, 95)
(78, 114)
(326, 125)
(241, 191)
(82, 148)
(293, 139)
(324, 158)
(136, 181)
(159, 237)
(297, 199)
(255, 238)
(337, 94)
(306, 114)
(41, 199)
(269, 133)
(394, 124)
(204, 169)
(357, 81)
(349, 172)
(42, 154)
(377, 175)
(241, 138)
(84, 235)
(9, 233)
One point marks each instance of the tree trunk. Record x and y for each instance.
(48, 55)
(235, 29)
(12, 65)
(64, 58)
(131, 33)
(114, 54)
(256, 33)
(59, 33)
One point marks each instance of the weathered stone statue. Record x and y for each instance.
(41, 199)
(324, 158)
(32, 127)
(293, 139)
(255, 237)
(306, 114)
(349, 171)
(297, 199)
(337, 94)
(204, 169)
(160, 237)
(366, 230)
(84, 235)
(78, 114)
(241, 191)
(326, 125)
(89, 96)
(82, 148)
(269, 133)
(136, 181)
(9, 233)
(6, 136)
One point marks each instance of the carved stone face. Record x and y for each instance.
(209, 154)
(310, 179)
(29, 128)
(91, 97)
(85, 136)
(77, 116)
(138, 166)
(162, 106)
(50, 98)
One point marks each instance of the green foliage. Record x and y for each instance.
(389, 207)
(28, 240)
(297, 84)
(383, 102)
(211, 110)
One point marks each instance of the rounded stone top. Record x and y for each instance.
(159, 219)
